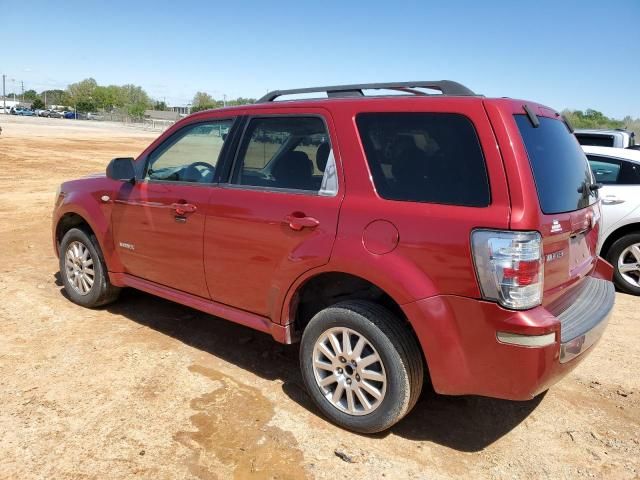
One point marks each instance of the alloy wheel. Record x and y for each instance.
(629, 265)
(79, 267)
(349, 371)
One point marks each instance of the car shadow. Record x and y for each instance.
(465, 423)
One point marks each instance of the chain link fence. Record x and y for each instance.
(144, 123)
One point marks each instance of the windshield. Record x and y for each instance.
(560, 168)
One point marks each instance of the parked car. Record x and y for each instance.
(618, 170)
(26, 112)
(43, 113)
(618, 138)
(94, 116)
(55, 114)
(444, 256)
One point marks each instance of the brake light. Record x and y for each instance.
(509, 267)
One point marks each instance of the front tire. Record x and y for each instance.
(361, 365)
(83, 271)
(624, 255)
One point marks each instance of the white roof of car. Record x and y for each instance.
(626, 153)
(602, 131)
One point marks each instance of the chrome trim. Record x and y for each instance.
(526, 340)
(576, 346)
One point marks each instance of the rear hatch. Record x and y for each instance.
(569, 204)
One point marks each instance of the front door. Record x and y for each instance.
(158, 223)
(277, 216)
(619, 193)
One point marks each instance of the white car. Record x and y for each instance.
(618, 171)
(618, 138)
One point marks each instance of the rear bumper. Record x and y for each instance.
(583, 323)
(477, 347)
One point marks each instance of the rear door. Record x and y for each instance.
(276, 216)
(569, 223)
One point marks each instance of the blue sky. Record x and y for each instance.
(575, 54)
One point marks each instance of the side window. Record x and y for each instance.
(425, 157)
(630, 174)
(595, 140)
(290, 153)
(191, 155)
(605, 170)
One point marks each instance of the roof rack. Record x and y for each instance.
(447, 87)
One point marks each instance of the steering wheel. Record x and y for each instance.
(193, 167)
(206, 165)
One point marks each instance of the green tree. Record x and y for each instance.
(201, 99)
(54, 97)
(591, 119)
(85, 105)
(37, 104)
(241, 101)
(136, 109)
(81, 91)
(160, 106)
(199, 108)
(30, 95)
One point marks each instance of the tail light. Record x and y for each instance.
(509, 267)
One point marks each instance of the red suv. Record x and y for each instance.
(394, 236)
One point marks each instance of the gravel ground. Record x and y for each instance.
(151, 389)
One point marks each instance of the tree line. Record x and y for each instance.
(204, 101)
(88, 96)
(594, 119)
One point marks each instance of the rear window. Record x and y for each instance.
(596, 140)
(560, 167)
(425, 157)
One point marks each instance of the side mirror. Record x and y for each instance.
(122, 169)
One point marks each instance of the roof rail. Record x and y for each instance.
(447, 87)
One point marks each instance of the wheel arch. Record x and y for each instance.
(321, 289)
(68, 221)
(616, 235)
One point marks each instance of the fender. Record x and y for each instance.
(85, 200)
(394, 274)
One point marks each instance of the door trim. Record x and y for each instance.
(280, 333)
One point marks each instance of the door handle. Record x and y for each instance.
(298, 221)
(182, 208)
(612, 200)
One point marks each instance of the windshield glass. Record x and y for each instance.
(560, 167)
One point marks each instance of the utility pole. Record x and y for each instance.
(22, 86)
(45, 99)
(4, 98)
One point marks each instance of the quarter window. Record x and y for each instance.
(191, 155)
(292, 153)
(425, 157)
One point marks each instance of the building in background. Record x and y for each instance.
(182, 110)
(9, 103)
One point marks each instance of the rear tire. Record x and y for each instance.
(374, 379)
(83, 270)
(624, 255)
